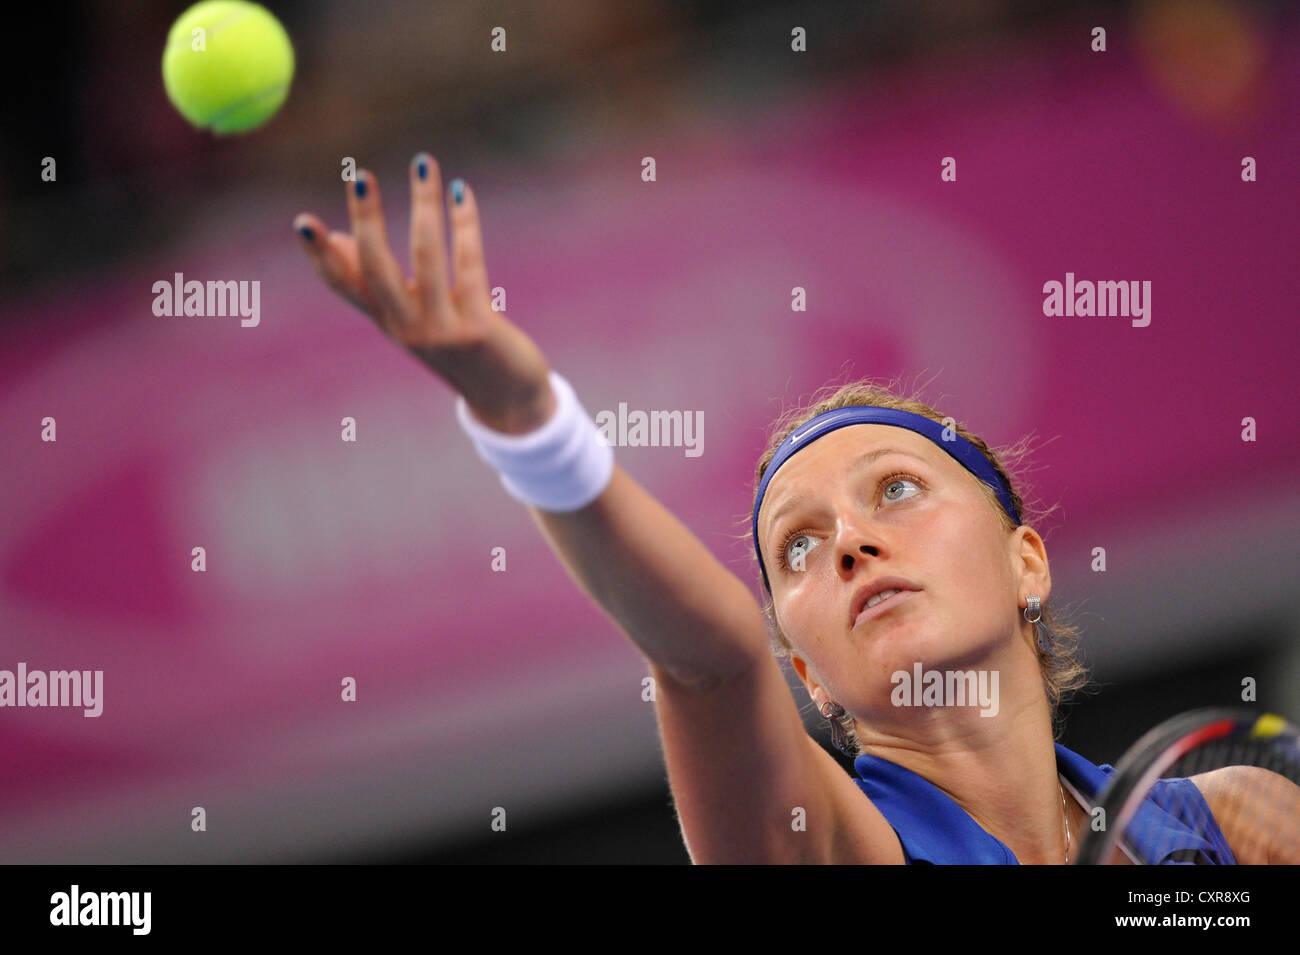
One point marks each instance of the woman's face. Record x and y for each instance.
(869, 501)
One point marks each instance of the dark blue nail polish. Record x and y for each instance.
(458, 190)
(361, 187)
(422, 168)
(306, 233)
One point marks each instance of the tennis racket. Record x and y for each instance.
(1219, 785)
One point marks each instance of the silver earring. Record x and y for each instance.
(1034, 614)
(839, 738)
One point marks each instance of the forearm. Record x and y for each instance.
(681, 607)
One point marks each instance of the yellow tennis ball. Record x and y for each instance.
(227, 65)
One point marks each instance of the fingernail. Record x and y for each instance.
(458, 190)
(306, 232)
(360, 187)
(422, 168)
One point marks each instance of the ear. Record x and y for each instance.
(815, 690)
(1030, 564)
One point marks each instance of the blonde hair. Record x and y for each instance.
(1062, 669)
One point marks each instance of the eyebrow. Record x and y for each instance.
(798, 500)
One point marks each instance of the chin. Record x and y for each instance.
(904, 644)
(898, 646)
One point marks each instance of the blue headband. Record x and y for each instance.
(965, 453)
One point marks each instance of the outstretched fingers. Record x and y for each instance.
(440, 305)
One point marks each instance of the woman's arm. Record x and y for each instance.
(741, 766)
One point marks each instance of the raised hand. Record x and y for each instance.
(446, 320)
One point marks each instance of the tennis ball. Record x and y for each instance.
(227, 65)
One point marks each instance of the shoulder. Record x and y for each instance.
(1227, 788)
(1253, 807)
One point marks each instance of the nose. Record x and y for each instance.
(848, 559)
(855, 543)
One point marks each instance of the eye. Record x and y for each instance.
(897, 483)
(794, 549)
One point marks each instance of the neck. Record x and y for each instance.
(1000, 769)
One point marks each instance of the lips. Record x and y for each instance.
(859, 610)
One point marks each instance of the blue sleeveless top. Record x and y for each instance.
(934, 830)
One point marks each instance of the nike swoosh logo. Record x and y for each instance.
(796, 438)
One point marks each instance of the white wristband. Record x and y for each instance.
(561, 466)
